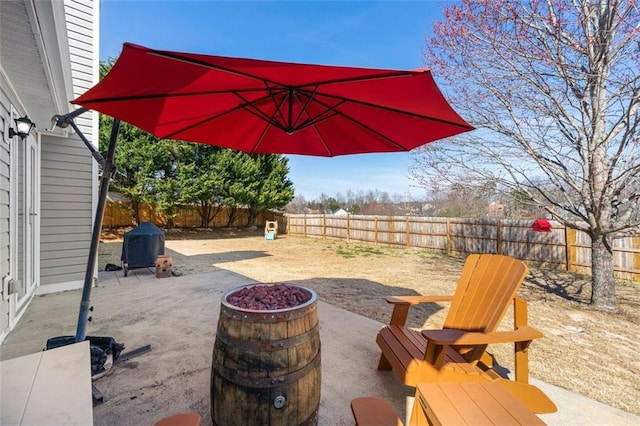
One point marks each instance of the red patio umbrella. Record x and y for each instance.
(273, 107)
(260, 107)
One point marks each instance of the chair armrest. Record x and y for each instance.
(414, 300)
(451, 337)
(401, 305)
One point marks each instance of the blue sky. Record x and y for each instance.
(387, 34)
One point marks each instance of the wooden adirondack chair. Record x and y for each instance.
(487, 286)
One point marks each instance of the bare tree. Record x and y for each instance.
(297, 205)
(553, 87)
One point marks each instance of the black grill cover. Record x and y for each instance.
(142, 245)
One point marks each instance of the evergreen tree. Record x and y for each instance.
(199, 183)
(275, 189)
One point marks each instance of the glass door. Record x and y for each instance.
(28, 220)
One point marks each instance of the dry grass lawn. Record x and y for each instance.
(589, 352)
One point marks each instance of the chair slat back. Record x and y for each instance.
(485, 289)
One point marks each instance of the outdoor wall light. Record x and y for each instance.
(24, 126)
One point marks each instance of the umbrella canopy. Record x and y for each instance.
(273, 107)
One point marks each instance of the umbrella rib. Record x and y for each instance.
(278, 111)
(205, 64)
(294, 123)
(171, 95)
(290, 111)
(253, 109)
(259, 141)
(193, 61)
(325, 115)
(258, 114)
(248, 106)
(324, 144)
(318, 119)
(367, 128)
(394, 110)
(384, 75)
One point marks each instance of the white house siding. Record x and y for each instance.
(12, 218)
(4, 206)
(66, 211)
(69, 174)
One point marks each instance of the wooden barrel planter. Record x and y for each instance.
(266, 362)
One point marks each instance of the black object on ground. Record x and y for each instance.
(141, 246)
(131, 354)
(100, 347)
(111, 267)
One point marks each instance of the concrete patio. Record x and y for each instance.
(177, 317)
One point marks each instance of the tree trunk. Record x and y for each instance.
(171, 214)
(205, 212)
(251, 220)
(603, 286)
(135, 206)
(233, 213)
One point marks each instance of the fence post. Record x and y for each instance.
(324, 226)
(304, 225)
(375, 230)
(570, 241)
(635, 245)
(499, 238)
(449, 242)
(348, 227)
(408, 231)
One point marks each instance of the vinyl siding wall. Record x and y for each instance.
(69, 173)
(65, 220)
(4, 204)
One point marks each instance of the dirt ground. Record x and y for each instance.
(589, 352)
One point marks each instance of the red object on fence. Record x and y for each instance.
(541, 225)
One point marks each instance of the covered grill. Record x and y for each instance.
(141, 246)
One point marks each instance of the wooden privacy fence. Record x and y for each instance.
(119, 214)
(562, 247)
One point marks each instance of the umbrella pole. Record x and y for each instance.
(108, 169)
